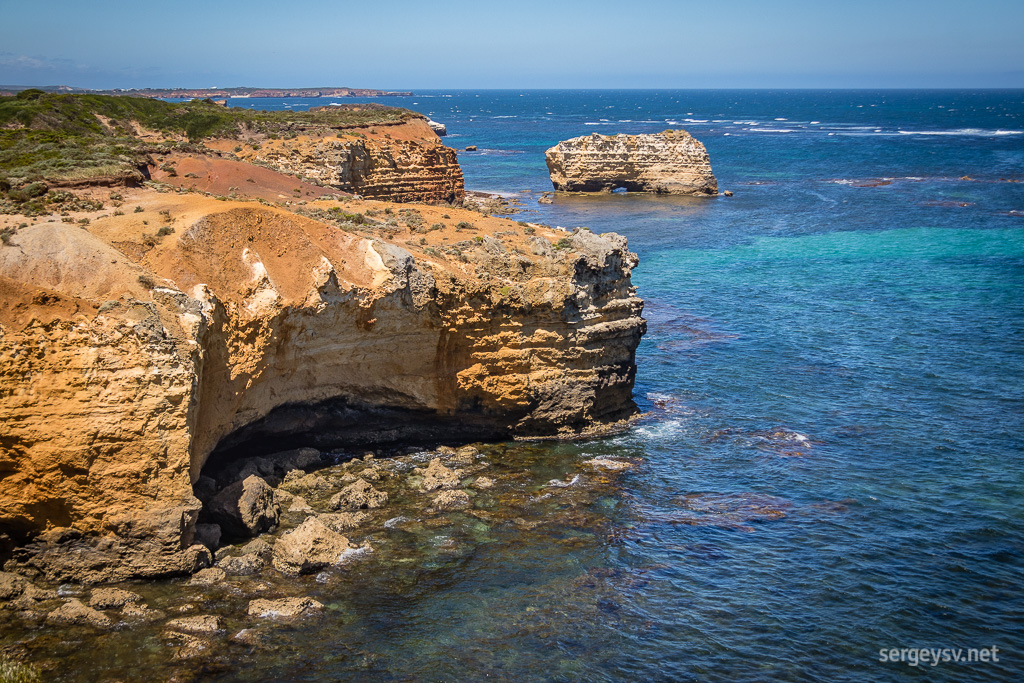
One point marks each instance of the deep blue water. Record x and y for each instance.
(856, 293)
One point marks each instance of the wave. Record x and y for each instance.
(971, 132)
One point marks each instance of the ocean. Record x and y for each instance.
(830, 468)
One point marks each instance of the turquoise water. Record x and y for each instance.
(834, 374)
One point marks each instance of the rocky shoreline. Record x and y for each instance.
(316, 521)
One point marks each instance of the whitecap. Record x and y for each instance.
(353, 553)
(970, 132)
(395, 521)
(561, 484)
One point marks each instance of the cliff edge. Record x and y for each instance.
(671, 162)
(136, 344)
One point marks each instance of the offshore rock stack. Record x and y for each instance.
(671, 162)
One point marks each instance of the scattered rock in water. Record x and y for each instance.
(112, 598)
(243, 565)
(207, 577)
(208, 535)
(727, 510)
(466, 455)
(284, 607)
(483, 483)
(437, 476)
(372, 474)
(359, 495)
(446, 450)
(138, 610)
(779, 440)
(451, 500)
(308, 548)
(74, 612)
(251, 637)
(246, 508)
(200, 623)
(187, 645)
(297, 481)
(470, 148)
(343, 521)
(609, 464)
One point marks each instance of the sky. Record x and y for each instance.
(402, 45)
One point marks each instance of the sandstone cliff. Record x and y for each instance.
(402, 163)
(671, 162)
(125, 360)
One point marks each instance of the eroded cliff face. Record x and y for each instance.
(402, 163)
(119, 376)
(671, 162)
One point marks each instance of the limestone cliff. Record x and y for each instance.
(124, 364)
(671, 162)
(403, 163)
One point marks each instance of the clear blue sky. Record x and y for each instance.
(398, 44)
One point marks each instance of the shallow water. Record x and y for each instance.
(832, 460)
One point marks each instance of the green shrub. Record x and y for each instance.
(463, 225)
(564, 243)
(166, 230)
(16, 672)
(139, 209)
(147, 281)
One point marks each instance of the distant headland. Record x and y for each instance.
(189, 93)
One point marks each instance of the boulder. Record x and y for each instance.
(609, 464)
(246, 508)
(343, 521)
(243, 565)
(451, 500)
(258, 546)
(112, 598)
(207, 577)
(670, 162)
(206, 623)
(309, 547)
(284, 607)
(74, 612)
(437, 476)
(483, 483)
(359, 495)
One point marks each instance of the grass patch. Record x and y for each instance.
(84, 138)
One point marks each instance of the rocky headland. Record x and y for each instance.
(671, 162)
(159, 343)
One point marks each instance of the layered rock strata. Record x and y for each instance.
(402, 163)
(671, 162)
(120, 376)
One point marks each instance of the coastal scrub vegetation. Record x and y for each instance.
(83, 139)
